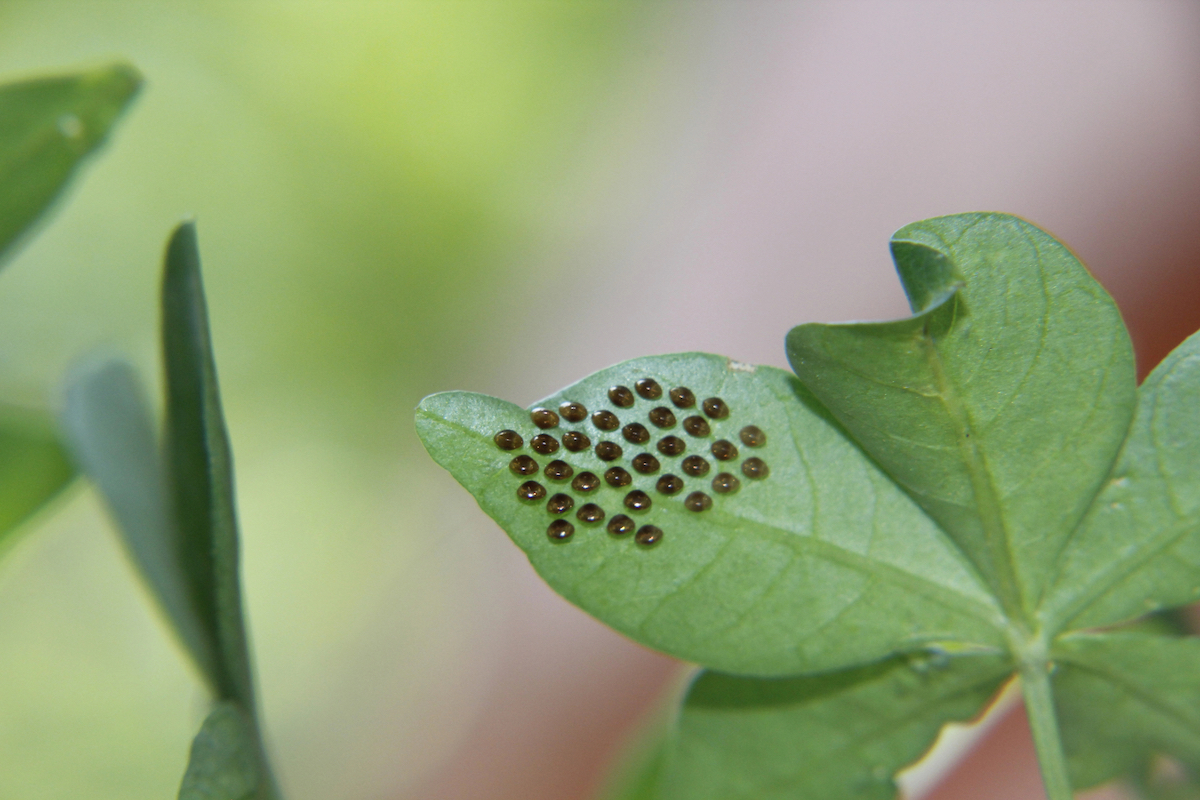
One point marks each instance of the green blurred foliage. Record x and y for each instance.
(370, 180)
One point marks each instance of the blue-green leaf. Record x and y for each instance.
(224, 763)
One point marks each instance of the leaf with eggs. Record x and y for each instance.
(786, 550)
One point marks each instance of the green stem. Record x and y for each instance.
(1039, 705)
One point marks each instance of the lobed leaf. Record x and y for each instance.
(33, 468)
(842, 734)
(1138, 549)
(821, 564)
(1000, 405)
(1123, 698)
(47, 126)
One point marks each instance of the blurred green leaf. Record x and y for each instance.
(47, 126)
(841, 734)
(1000, 406)
(33, 467)
(224, 760)
(1124, 697)
(823, 563)
(109, 428)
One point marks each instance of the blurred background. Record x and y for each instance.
(399, 198)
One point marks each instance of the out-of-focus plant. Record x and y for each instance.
(174, 504)
(48, 126)
(869, 548)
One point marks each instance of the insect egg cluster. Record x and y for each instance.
(668, 445)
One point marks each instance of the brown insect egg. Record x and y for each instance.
(697, 501)
(605, 420)
(715, 408)
(608, 451)
(531, 490)
(752, 436)
(544, 443)
(621, 525)
(558, 470)
(523, 465)
(560, 530)
(636, 432)
(646, 464)
(620, 396)
(648, 535)
(755, 468)
(585, 482)
(669, 484)
(724, 450)
(694, 466)
(572, 412)
(508, 440)
(671, 446)
(590, 512)
(682, 397)
(560, 504)
(575, 441)
(725, 483)
(637, 500)
(617, 477)
(544, 418)
(697, 426)
(648, 388)
(662, 417)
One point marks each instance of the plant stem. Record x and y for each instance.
(1039, 705)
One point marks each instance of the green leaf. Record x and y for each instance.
(33, 468)
(224, 760)
(842, 734)
(109, 428)
(823, 563)
(1124, 697)
(1139, 547)
(1000, 405)
(47, 126)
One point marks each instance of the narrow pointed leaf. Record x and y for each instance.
(109, 428)
(838, 735)
(1000, 405)
(200, 466)
(1138, 549)
(224, 762)
(1123, 698)
(822, 563)
(47, 126)
(33, 468)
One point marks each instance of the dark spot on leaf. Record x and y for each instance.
(669, 484)
(715, 408)
(662, 417)
(558, 470)
(572, 412)
(621, 525)
(724, 450)
(605, 420)
(508, 440)
(531, 490)
(682, 397)
(752, 436)
(725, 483)
(590, 512)
(560, 530)
(695, 466)
(585, 482)
(671, 446)
(755, 468)
(523, 465)
(648, 388)
(560, 504)
(697, 501)
(636, 432)
(544, 418)
(637, 500)
(618, 477)
(544, 443)
(646, 464)
(608, 451)
(620, 396)
(696, 426)
(648, 535)
(576, 441)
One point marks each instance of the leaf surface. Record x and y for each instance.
(837, 735)
(1138, 549)
(33, 468)
(47, 126)
(224, 760)
(1123, 698)
(1000, 405)
(822, 563)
